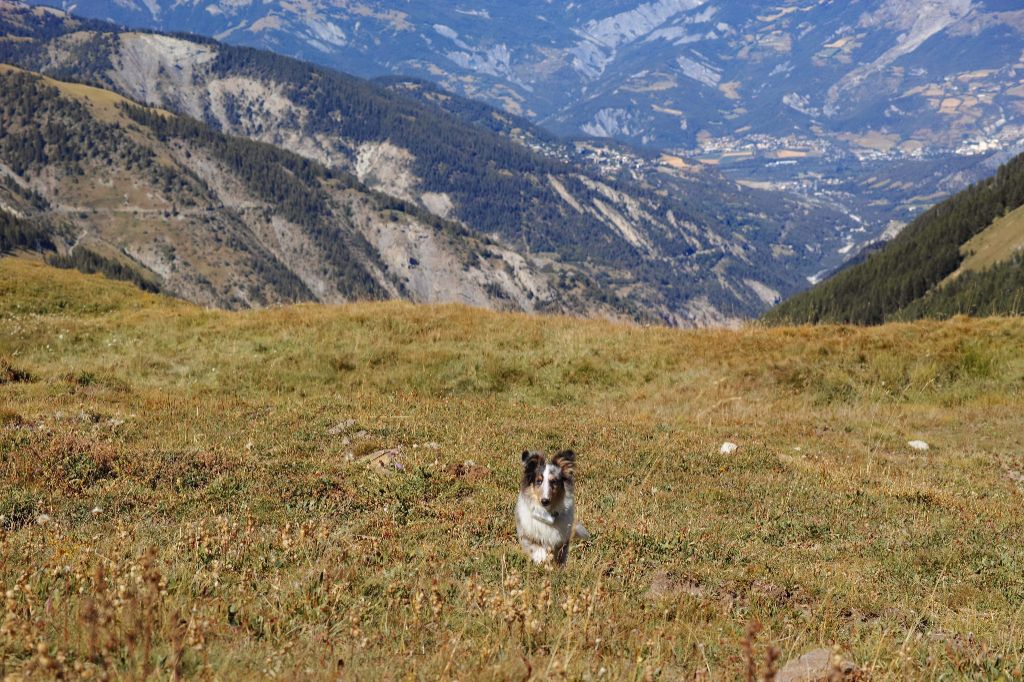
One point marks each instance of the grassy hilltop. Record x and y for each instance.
(184, 492)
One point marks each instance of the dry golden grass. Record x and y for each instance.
(996, 243)
(183, 496)
(105, 105)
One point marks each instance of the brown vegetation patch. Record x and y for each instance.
(469, 471)
(63, 461)
(11, 374)
(10, 418)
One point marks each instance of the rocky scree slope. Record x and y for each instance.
(167, 202)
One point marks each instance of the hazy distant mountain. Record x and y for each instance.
(664, 71)
(536, 224)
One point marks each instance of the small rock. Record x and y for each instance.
(665, 584)
(918, 445)
(42, 519)
(818, 665)
(1015, 475)
(341, 427)
(96, 511)
(386, 461)
(728, 448)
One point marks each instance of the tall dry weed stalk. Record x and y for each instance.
(771, 655)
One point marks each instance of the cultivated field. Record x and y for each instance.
(186, 492)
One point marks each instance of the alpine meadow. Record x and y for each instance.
(541, 340)
(320, 492)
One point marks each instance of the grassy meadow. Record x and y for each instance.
(186, 493)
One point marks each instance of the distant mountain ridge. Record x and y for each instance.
(879, 107)
(624, 68)
(964, 256)
(678, 246)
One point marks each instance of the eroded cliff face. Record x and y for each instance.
(189, 217)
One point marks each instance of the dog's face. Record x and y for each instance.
(547, 482)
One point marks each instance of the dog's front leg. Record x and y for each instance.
(540, 554)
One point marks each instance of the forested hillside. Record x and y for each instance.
(998, 290)
(906, 278)
(105, 185)
(16, 233)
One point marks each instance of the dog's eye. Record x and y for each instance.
(539, 481)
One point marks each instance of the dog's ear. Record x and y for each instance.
(566, 461)
(532, 461)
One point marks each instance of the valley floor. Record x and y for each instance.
(187, 492)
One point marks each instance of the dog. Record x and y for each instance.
(545, 510)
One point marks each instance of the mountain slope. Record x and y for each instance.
(229, 222)
(883, 106)
(962, 256)
(669, 249)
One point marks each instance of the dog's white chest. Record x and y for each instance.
(550, 534)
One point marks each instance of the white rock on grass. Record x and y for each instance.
(918, 445)
(819, 664)
(728, 448)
